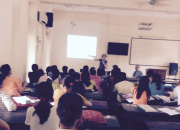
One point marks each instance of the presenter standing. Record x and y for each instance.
(103, 62)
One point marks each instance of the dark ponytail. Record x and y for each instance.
(69, 108)
(67, 81)
(157, 80)
(44, 92)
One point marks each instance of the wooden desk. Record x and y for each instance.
(94, 95)
(18, 118)
(135, 113)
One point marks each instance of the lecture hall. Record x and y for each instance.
(90, 64)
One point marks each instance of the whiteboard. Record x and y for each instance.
(154, 52)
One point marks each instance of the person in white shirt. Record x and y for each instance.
(123, 87)
(69, 111)
(175, 95)
(5, 99)
(43, 116)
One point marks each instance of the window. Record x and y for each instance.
(81, 46)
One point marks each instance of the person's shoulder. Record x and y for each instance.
(31, 109)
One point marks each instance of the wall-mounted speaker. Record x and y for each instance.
(173, 69)
(50, 19)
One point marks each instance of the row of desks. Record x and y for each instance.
(134, 113)
(18, 117)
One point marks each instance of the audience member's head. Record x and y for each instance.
(53, 73)
(137, 67)
(81, 70)
(143, 86)
(100, 72)
(6, 70)
(54, 67)
(93, 71)
(85, 77)
(104, 56)
(75, 76)
(69, 111)
(48, 69)
(122, 76)
(34, 67)
(44, 92)
(78, 86)
(157, 79)
(67, 82)
(65, 69)
(71, 71)
(150, 73)
(115, 66)
(86, 68)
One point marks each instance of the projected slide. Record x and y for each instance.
(81, 46)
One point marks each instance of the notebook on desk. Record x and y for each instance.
(146, 108)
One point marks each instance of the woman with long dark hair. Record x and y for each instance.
(156, 87)
(142, 93)
(78, 86)
(43, 116)
(90, 84)
(11, 85)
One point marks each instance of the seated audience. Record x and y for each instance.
(51, 72)
(69, 111)
(35, 75)
(137, 73)
(53, 75)
(43, 116)
(142, 93)
(86, 68)
(4, 125)
(115, 67)
(65, 71)
(78, 86)
(5, 99)
(114, 78)
(71, 71)
(101, 73)
(67, 83)
(90, 84)
(156, 87)
(97, 79)
(175, 95)
(123, 87)
(11, 85)
(150, 74)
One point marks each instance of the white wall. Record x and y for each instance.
(114, 28)
(5, 31)
(19, 38)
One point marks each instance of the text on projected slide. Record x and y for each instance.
(81, 46)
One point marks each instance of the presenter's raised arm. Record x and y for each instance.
(93, 58)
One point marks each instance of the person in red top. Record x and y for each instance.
(97, 79)
(11, 85)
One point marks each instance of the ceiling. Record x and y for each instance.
(123, 7)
